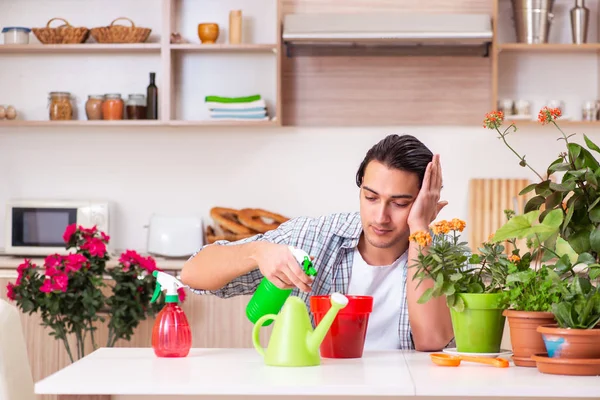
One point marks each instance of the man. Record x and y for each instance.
(365, 253)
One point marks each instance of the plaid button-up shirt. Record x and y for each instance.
(331, 240)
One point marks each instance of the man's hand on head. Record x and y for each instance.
(427, 205)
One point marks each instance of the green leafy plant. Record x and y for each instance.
(68, 292)
(562, 221)
(580, 307)
(448, 261)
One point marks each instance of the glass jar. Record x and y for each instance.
(61, 108)
(136, 106)
(112, 106)
(93, 106)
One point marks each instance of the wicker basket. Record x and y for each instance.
(64, 34)
(120, 34)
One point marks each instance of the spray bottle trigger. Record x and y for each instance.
(157, 290)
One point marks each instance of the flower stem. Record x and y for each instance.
(502, 135)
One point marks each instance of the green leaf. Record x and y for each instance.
(426, 296)
(559, 167)
(595, 215)
(449, 289)
(474, 288)
(562, 187)
(564, 248)
(456, 276)
(533, 204)
(517, 227)
(595, 240)
(586, 258)
(591, 145)
(574, 150)
(553, 219)
(594, 272)
(527, 189)
(459, 305)
(580, 241)
(543, 188)
(553, 200)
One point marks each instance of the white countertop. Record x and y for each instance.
(211, 372)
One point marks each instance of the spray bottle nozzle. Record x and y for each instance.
(168, 282)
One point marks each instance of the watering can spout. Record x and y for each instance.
(315, 338)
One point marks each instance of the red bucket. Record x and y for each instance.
(346, 337)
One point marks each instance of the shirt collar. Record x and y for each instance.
(351, 229)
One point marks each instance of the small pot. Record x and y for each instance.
(571, 343)
(480, 326)
(524, 337)
(208, 33)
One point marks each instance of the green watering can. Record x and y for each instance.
(293, 342)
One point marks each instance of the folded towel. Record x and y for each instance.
(237, 110)
(261, 113)
(220, 99)
(239, 117)
(236, 106)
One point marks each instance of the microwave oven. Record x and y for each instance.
(36, 227)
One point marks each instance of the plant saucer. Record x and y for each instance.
(567, 366)
(502, 353)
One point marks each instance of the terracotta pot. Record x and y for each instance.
(571, 343)
(567, 366)
(524, 337)
(208, 33)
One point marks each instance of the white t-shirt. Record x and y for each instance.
(384, 283)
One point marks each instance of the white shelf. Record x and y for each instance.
(80, 48)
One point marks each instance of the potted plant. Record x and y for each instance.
(68, 292)
(576, 196)
(473, 284)
(531, 286)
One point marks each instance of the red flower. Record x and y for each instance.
(74, 262)
(182, 294)
(95, 246)
(493, 120)
(105, 238)
(60, 282)
(88, 233)
(548, 115)
(53, 260)
(69, 232)
(47, 286)
(10, 293)
(21, 269)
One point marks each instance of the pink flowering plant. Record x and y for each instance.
(70, 293)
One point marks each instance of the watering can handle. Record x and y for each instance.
(256, 331)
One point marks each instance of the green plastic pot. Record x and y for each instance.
(480, 326)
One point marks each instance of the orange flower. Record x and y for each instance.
(548, 115)
(493, 120)
(422, 238)
(457, 224)
(440, 227)
(514, 258)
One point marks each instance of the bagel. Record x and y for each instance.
(253, 218)
(212, 236)
(228, 219)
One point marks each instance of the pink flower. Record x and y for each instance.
(148, 264)
(47, 286)
(61, 281)
(69, 232)
(21, 269)
(10, 293)
(51, 271)
(182, 294)
(88, 232)
(95, 246)
(53, 260)
(105, 238)
(74, 262)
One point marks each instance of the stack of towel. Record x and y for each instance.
(250, 108)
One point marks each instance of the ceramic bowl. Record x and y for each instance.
(208, 32)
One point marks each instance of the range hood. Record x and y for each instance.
(388, 29)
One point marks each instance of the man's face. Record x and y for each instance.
(386, 197)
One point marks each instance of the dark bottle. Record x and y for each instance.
(152, 98)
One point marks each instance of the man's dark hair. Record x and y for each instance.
(403, 152)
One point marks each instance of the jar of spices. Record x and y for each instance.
(112, 106)
(93, 106)
(60, 106)
(136, 106)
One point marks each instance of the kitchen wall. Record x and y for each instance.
(186, 171)
(289, 170)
